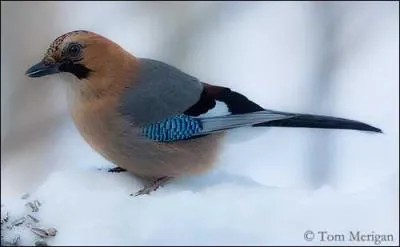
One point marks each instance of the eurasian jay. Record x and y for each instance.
(150, 118)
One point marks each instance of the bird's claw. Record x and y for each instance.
(145, 191)
(153, 186)
(116, 169)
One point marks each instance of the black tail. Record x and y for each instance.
(317, 121)
(239, 104)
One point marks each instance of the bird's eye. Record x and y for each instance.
(74, 50)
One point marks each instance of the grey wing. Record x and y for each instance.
(160, 91)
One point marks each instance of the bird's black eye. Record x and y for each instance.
(74, 50)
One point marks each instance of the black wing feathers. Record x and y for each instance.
(236, 102)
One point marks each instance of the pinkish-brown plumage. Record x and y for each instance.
(94, 109)
(130, 109)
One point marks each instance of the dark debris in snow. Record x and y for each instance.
(30, 220)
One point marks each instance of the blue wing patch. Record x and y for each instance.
(175, 128)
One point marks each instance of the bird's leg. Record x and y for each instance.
(116, 169)
(153, 185)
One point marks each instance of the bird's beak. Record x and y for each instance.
(41, 69)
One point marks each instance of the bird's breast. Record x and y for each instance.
(94, 121)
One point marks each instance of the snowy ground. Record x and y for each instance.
(264, 190)
(96, 209)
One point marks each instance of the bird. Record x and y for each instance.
(150, 118)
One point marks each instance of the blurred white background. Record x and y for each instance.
(329, 58)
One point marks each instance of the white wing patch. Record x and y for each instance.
(220, 109)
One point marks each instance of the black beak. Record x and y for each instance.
(42, 69)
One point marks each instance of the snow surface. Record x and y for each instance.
(94, 208)
(262, 190)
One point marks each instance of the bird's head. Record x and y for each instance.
(82, 53)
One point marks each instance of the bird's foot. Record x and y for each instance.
(153, 186)
(116, 169)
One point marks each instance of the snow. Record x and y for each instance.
(262, 189)
(94, 208)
